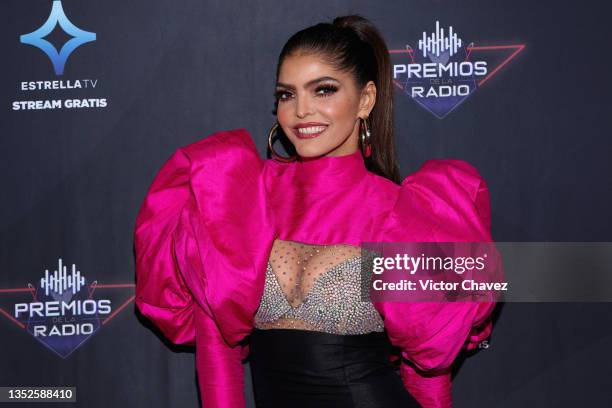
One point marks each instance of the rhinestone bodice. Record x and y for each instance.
(316, 287)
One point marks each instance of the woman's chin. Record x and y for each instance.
(311, 151)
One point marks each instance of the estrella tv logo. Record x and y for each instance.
(63, 312)
(443, 71)
(58, 17)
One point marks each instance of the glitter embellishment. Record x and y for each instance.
(316, 287)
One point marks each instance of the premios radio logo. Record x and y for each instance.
(443, 71)
(63, 312)
(58, 22)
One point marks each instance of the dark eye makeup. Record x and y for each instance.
(321, 91)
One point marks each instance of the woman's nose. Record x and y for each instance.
(303, 107)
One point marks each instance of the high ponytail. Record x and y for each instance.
(353, 44)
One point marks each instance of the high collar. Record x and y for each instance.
(331, 172)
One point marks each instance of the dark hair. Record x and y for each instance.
(353, 44)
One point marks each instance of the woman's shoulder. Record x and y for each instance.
(233, 145)
(445, 179)
(444, 195)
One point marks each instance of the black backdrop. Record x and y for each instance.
(174, 72)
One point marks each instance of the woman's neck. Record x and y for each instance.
(330, 172)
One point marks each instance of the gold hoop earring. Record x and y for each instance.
(366, 146)
(276, 155)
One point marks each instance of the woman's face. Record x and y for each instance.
(319, 107)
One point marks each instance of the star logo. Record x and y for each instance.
(58, 17)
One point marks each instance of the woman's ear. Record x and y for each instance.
(367, 99)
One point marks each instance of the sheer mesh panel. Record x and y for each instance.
(316, 287)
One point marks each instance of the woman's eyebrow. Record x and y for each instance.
(307, 84)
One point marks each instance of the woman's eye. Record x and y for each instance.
(323, 91)
(282, 95)
(326, 90)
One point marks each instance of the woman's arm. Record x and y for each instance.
(219, 366)
(444, 201)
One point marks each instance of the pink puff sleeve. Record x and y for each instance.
(161, 292)
(444, 201)
(174, 256)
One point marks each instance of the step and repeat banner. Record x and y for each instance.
(97, 95)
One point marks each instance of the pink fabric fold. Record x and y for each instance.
(444, 201)
(205, 230)
(161, 293)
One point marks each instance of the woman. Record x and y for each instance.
(255, 258)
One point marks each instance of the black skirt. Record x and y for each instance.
(308, 369)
